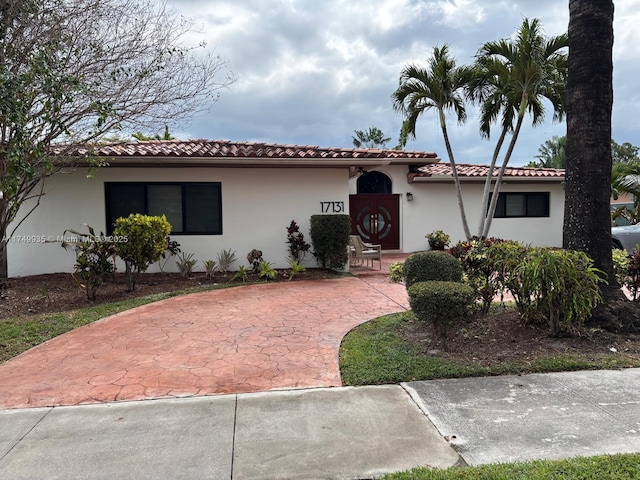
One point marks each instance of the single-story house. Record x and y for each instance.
(241, 196)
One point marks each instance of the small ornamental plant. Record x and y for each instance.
(140, 241)
(438, 240)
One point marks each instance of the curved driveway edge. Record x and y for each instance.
(245, 339)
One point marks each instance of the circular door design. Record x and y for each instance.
(373, 226)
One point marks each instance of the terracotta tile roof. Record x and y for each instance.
(467, 171)
(246, 150)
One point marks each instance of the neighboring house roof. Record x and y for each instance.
(227, 153)
(442, 172)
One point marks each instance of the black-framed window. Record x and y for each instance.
(193, 208)
(522, 204)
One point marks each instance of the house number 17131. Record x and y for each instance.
(332, 207)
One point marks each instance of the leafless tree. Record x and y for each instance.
(73, 70)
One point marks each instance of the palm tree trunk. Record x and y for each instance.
(507, 157)
(487, 183)
(456, 179)
(587, 220)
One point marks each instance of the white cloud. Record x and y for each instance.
(458, 14)
(311, 72)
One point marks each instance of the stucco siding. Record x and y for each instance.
(257, 206)
(434, 207)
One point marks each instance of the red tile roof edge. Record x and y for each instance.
(439, 170)
(229, 149)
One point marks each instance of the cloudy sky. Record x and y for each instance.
(310, 72)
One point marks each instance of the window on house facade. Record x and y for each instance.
(190, 208)
(531, 204)
(374, 182)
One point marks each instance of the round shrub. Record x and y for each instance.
(432, 265)
(441, 303)
(141, 240)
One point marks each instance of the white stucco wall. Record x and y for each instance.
(258, 204)
(435, 207)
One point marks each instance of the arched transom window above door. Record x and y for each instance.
(374, 182)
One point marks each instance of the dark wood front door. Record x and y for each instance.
(375, 217)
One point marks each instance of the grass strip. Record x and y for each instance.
(610, 467)
(22, 333)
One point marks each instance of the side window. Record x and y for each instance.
(191, 208)
(528, 204)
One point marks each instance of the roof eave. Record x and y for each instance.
(515, 179)
(310, 162)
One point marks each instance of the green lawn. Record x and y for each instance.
(609, 467)
(376, 353)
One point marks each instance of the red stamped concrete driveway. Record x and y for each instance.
(245, 339)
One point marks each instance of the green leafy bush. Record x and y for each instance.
(432, 265)
(438, 240)
(330, 238)
(140, 241)
(479, 265)
(506, 256)
(441, 303)
(563, 287)
(94, 259)
(396, 272)
(620, 265)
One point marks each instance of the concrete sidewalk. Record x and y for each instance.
(336, 433)
(296, 434)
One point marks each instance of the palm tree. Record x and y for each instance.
(551, 154)
(625, 179)
(512, 77)
(439, 87)
(372, 138)
(587, 221)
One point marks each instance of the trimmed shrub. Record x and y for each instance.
(330, 239)
(433, 265)
(441, 303)
(140, 241)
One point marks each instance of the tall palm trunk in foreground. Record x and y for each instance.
(587, 221)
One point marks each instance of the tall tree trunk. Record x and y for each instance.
(488, 181)
(496, 189)
(456, 179)
(587, 217)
